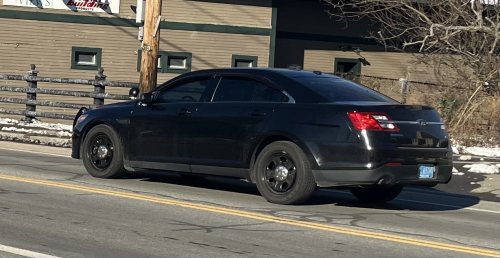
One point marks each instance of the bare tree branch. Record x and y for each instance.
(469, 29)
(459, 40)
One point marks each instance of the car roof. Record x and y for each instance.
(285, 78)
(292, 73)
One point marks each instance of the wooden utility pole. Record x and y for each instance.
(150, 46)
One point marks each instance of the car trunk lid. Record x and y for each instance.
(413, 126)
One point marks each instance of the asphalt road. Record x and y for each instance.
(50, 207)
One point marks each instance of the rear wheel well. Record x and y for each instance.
(262, 145)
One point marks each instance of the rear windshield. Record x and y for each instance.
(335, 89)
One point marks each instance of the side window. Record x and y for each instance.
(188, 92)
(264, 93)
(230, 89)
(243, 89)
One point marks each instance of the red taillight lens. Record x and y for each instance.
(372, 121)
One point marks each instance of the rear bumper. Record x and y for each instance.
(406, 175)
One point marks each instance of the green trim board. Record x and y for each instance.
(122, 22)
(325, 38)
(215, 28)
(139, 59)
(253, 59)
(67, 18)
(164, 61)
(98, 57)
(272, 40)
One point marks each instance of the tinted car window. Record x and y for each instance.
(335, 89)
(243, 89)
(188, 92)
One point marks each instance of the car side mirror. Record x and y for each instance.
(147, 98)
(133, 93)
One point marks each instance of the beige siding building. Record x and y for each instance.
(211, 31)
(65, 41)
(308, 37)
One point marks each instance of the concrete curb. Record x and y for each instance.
(35, 148)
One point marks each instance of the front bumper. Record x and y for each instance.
(387, 175)
(75, 138)
(75, 146)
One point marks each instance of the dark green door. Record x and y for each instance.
(348, 68)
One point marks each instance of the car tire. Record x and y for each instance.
(103, 162)
(377, 193)
(283, 174)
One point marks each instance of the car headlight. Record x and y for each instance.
(81, 118)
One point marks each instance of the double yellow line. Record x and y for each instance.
(263, 217)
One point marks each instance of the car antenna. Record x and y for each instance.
(318, 72)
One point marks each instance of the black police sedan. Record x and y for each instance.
(290, 132)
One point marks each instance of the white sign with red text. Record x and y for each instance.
(103, 6)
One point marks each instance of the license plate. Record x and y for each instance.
(426, 171)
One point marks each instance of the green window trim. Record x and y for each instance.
(164, 58)
(168, 54)
(253, 59)
(96, 51)
(356, 70)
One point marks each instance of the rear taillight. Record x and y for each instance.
(372, 121)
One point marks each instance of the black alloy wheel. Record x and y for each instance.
(283, 174)
(280, 172)
(101, 151)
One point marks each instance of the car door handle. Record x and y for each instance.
(256, 113)
(183, 111)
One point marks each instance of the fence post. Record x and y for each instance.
(99, 77)
(403, 83)
(32, 84)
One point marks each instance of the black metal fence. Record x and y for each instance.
(99, 95)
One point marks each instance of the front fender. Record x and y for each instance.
(80, 113)
(80, 130)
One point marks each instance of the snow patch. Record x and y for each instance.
(37, 124)
(483, 168)
(488, 149)
(465, 157)
(63, 134)
(36, 132)
(24, 130)
(479, 145)
(482, 151)
(49, 141)
(455, 172)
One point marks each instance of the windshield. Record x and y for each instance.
(335, 89)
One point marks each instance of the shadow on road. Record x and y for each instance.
(483, 186)
(410, 199)
(209, 182)
(415, 199)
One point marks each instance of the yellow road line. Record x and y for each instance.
(263, 217)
